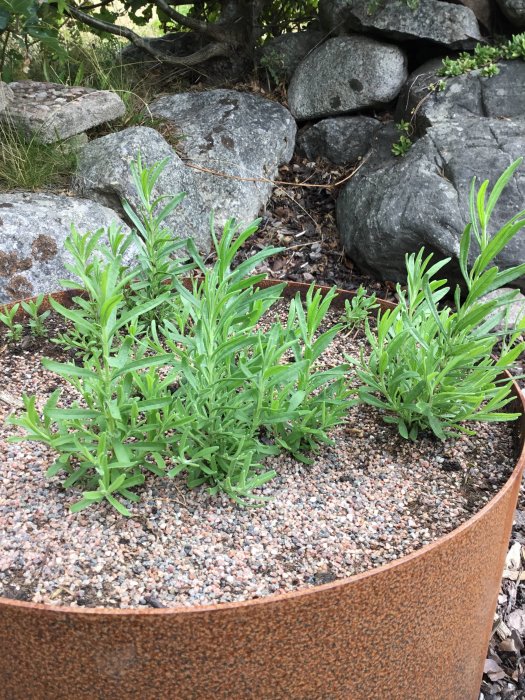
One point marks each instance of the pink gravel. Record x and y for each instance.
(368, 499)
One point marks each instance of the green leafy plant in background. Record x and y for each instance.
(432, 367)
(22, 24)
(273, 63)
(200, 389)
(484, 58)
(14, 329)
(36, 319)
(402, 146)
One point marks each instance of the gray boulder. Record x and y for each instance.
(482, 9)
(393, 206)
(501, 96)
(445, 23)
(55, 112)
(333, 16)
(281, 55)
(236, 141)
(514, 10)
(6, 95)
(341, 140)
(103, 174)
(172, 43)
(346, 74)
(33, 228)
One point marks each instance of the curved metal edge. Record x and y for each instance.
(291, 289)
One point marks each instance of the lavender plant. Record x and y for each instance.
(433, 367)
(36, 319)
(7, 318)
(161, 256)
(201, 389)
(358, 309)
(245, 399)
(103, 438)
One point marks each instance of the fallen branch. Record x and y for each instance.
(329, 186)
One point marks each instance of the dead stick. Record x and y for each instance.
(280, 182)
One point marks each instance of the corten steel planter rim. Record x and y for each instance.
(65, 297)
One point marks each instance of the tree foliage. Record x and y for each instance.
(224, 27)
(23, 22)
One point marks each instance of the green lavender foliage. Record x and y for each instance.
(102, 441)
(249, 391)
(7, 318)
(36, 319)
(200, 389)
(432, 367)
(323, 394)
(358, 309)
(158, 249)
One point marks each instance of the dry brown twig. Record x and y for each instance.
(304, 183)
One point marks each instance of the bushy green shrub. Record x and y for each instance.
(201, 388)
(484, 58)
(433, 367)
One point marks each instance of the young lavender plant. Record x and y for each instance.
(161, 257)
(250, 391)
(358, 309)
(433, 367)
(102, 439)
(36, 319)
(14, 329)
(204, 389)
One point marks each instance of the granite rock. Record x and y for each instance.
(281, 55)
(346, 74)
(467, 96)
(394, 206)
(55, 112)
(6, 95)
(514, 10)
(33, 228)
(452, 25)
(341, 140)
(235, 143)
(104, 174)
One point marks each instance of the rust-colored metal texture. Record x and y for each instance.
(415, 629)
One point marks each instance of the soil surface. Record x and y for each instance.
(369, 498)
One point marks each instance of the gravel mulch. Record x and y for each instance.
(366, 500)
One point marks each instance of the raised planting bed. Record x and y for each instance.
(372, 564)
(346, 638)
